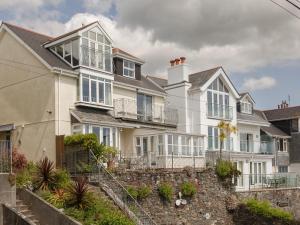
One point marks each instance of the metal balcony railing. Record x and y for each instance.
(5, 157)
(218, 111)
(127, 108)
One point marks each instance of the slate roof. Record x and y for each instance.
(88, 115)
(283, 114)
(117, 50)
(160, 81)
(200, 78)
(143, 83)
(35, 41)
(274, 131)
(256, 116)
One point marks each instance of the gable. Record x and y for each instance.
(220, 74)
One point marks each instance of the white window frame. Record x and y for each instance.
(98, 80)
(88, 129)
(128, 68)
(246, 107)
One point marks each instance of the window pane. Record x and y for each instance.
(85, 52)
(140, 106)
(93, 35)
(93, 54)
(149, 107)
(85, 90)
(93, 91)
(67, 54)
(96, 130)
(85, 34)
(100, 38)
(107, 93)
(106, 136)
(75, 52)
(59, 50)
(107, 58)
(101, 92)
(100, 56)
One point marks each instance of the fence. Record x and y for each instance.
(267, 181)
(5, 157)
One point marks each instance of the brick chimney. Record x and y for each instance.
(178, 71)
(283, 105)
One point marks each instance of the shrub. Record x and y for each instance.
(132, 192)
(264, 208)
(165, 191)
(24, 178)
(226, 169)
(45, 178)
(57, 198)
(79, 195)
(19, 161)
(87, 141)
(115, 219)
(143, 192)
(61, 179)
(188, 189)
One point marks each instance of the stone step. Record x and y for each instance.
(25, 211)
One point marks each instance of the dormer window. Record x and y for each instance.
(246, 107)
(68, 51)
(128, 69)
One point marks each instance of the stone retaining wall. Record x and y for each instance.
(287, 199)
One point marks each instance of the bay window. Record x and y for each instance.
(106, 135)
(96, 90)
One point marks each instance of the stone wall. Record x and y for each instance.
(7, 193)
(11, 217)
(287, 199)
(208, 206)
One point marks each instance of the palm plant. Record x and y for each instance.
(45, 178)
(226, 129)
(79, 193)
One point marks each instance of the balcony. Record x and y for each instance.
(127, 109)
(259, 147)
(216, 111)
(214, 143)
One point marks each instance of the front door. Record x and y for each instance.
(257, 172)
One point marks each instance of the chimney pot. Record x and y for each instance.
(182, 60)
(177, 61)
(172, 62)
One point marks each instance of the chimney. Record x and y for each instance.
(283, 105)
(179, 71)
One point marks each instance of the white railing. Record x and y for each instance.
(218, 111)
(5, 157)
(127, 108)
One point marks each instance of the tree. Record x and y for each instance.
(226, 129)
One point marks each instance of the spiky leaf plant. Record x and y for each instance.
(79, 195)
(45, 177)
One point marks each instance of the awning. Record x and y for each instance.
(7, 127)
(274, 132)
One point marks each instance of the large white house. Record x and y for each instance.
(80, 82)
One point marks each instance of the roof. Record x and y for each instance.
(71, 32)
(160, 81)
(119, 51)
(94, 116)
(200, 78)
(256, 117)
(246, 93)
(283, 114)
(274, 131)
(143, 83)
(35, 41)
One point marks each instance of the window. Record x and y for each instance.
(128, 69)
(197, 146)
(68, 51)
(214, 140)
(96, 90)
(282, 145)
(246, 142)
(283, 169)
(257, 172)
(144, 107)
(96, 52)
(246, 107)
(172, 144)
(185, 148)
(218, 101)
(138, 146)
(105, 135)
(160, 144)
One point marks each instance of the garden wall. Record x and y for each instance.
(11, 217)
(208, 206)
(45, 213)
(7, 193)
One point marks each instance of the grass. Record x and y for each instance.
(265, 209)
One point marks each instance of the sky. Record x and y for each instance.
(256, 41)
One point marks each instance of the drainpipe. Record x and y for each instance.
(58, 103)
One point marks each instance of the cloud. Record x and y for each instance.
(262, 83)
(98, 6)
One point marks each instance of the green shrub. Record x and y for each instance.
(115, 219)
(132, 192)
(57, 198)
(45, 176)
(143, 192)
(87, 141)
(265, 209)
(226, 169)
(188, 189)
(24, 178)
(165, 191)
(62, 179)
